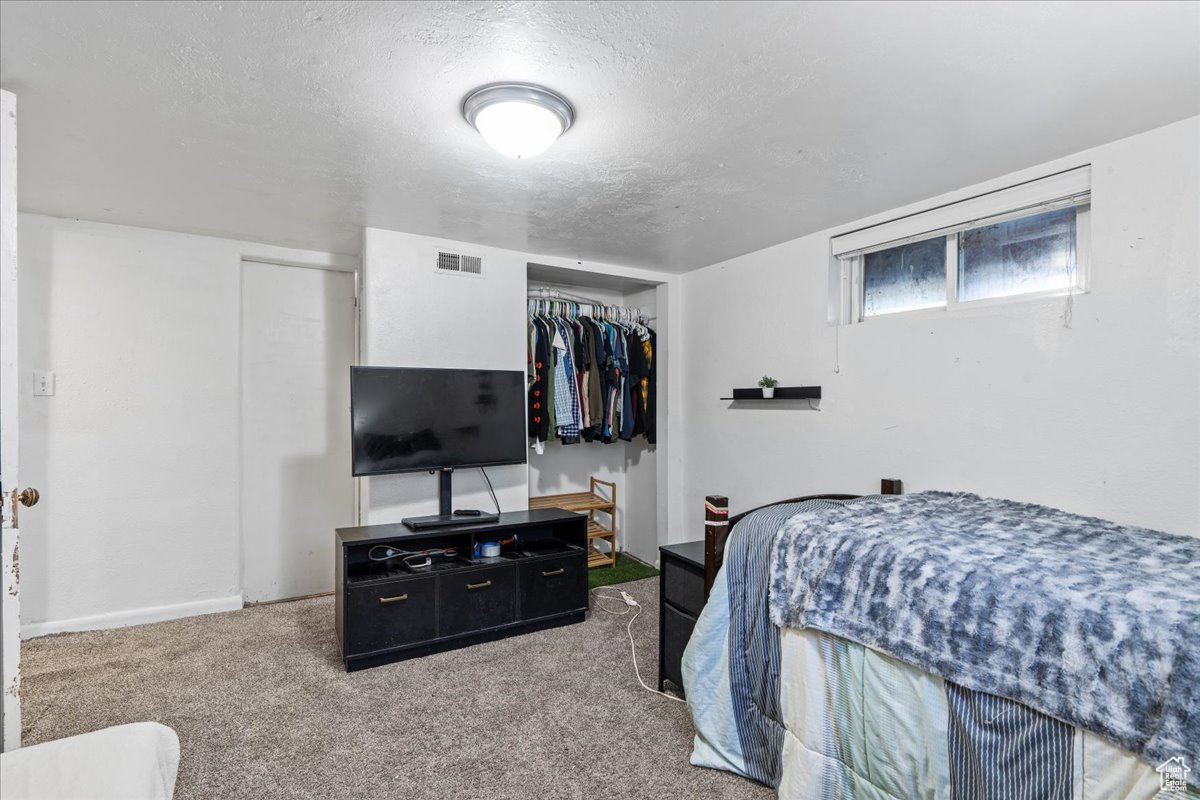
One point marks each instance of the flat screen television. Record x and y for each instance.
(410, 420)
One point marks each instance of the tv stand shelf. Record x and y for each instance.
(385, 610)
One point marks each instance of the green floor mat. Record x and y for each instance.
(627, 569)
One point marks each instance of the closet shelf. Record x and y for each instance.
(781, 393)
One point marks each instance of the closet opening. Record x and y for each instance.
(601, 441)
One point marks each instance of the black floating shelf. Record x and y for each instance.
(781, 393)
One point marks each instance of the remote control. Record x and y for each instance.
(468, 512)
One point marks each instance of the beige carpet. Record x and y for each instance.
(264, 709)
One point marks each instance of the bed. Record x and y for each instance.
(815, 669)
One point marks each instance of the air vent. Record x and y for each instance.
(457, 262)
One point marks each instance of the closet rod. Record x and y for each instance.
(546, 293)
(633, 312)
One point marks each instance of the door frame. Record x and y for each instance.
(10, 399)
(334, 264)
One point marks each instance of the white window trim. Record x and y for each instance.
(851, 264)
(1067, 187)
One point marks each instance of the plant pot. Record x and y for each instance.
(768, 392)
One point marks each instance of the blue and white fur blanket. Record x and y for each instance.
(1090, 622)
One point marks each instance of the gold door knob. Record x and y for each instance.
(29, 497)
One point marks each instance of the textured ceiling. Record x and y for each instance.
(704, 130)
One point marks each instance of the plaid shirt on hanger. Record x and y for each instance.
(566, 393)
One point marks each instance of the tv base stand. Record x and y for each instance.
(447, 521)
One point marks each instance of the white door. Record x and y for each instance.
(297, 345)
(13, 494)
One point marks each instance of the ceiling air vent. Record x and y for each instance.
(457, 262)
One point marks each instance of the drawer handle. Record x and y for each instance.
(398, 598)
(553, 572)
(483, 585)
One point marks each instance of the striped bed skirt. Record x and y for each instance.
(860, 724)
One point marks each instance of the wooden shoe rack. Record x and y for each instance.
(593, 502)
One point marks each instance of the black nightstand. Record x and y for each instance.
(681, 599)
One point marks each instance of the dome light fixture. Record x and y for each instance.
(520, 120)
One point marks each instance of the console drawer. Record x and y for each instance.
(388, 614)
(553, 585)
(683, 585)
(477, 599)
(676, 631)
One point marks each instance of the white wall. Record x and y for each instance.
(413, 316)
(641, 534)
(136, 455)
(1100, 418)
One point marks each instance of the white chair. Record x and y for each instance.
(126, 762)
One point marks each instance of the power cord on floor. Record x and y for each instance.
(627, 599)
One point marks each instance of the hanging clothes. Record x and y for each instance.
(651, 390)
(595, 346)
(590, 373)
(639, 368)
(541, 401)
(566, 384)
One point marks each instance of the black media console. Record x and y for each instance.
(392, 610)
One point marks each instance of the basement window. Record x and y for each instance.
(904, 278)
(1027, 255)
(1023, 242)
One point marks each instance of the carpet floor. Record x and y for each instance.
(264, 709)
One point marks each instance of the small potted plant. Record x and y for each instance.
(768, 385)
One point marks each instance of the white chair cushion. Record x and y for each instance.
(126, 762)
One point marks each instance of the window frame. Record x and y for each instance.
(852, 287)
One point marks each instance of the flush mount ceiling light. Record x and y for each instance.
(520, 120)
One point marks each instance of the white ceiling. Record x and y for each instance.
(704, 130)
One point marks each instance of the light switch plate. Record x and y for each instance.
(43, 383)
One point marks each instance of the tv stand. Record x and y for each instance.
(387, 611)
(445, 517)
